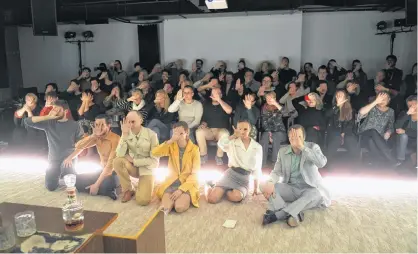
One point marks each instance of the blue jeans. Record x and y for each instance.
(54, 172)
(162, 129)
(403, 142)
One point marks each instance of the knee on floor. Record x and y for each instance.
(142, 201)
(234, 196)
(213, 199)
(181, 208)
(51, 186)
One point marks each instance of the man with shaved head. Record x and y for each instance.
(134, 158)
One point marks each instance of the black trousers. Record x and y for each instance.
(107, 188)
(350, 143)
(54, 172)
(377, 145)
(315, 136)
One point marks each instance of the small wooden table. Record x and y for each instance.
(49, 219)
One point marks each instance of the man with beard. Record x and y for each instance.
(197, 72)
(101, 182)
(62, 134)
(84, 79)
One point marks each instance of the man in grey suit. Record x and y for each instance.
(295, 184)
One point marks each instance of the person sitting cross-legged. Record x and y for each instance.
(215, 124)
(245, 157)
(295, 184)
(181, 187)
(134, 158)
(102, 182)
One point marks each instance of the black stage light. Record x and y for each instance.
(382, 25)
(88, 34)
(70, 35)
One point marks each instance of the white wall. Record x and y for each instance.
(255, 38)
(346, 36)
(50, 59)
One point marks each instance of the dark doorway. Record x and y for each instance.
(149, 46)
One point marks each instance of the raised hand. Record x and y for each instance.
(351, 88)
(179, 95)
(238, 85)
(380, 98)
(412, 110)
(235, 135)
(248, 102)
(349, 76)
(340, 99)
(54, 113)
(261, 90)
(194, 69)
(125, 127)
(216, 97)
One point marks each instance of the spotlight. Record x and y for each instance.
(88, 34)
(70, 35)
(382, 25)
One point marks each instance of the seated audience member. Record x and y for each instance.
(133, 79)
(322, 76)
(73, 97)
(295, 184)
(62, 135)
(50, 87)
(88, 110)
(237, 94)
(215, 123)
(204, 91)
(309, 74)
(410, 82)
(248, 111)
(322, 92)
(272, 127)
(341, 126)
(358, 74)
(189, 110)
(160, 119)
(242, 70)
(176, 69)
(50, 99)
(228, 88)
(265, 69)
(250, 83)
(119, 75)
(156, 74)
(396, 100)
(101, 182)
(377, 127)
(135, 102)
(102, 68)
(134, 158)
(197, 72)
(393, 75)
(335, 72)
(160, 83)
(116, 94)
(98, 95)
(84, 79)
(296, 91)
(286, 74)
(181, 187)
(406, 131)
(106, 84)
(265, 88)
(148, 93)
(312, 118)
(220, 69)
(21, 134)
(349, 80)
(369, 90)
(244, 159)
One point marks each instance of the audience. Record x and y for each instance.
(286, 74)
(119, 75)
(265, 69)
(406, 131)
(181, 187)
(410, 82)
(160, 119)
(135, 102)
(197, 72)
(244, 158)
(134, 158)
(249, 82)
(248, 111)
(393, 74)
(335, 72)
(88, 110)
(84, 79)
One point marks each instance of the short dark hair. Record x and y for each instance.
(199, 60)
(229, 73)
(54, 85)
(86, 69)
(297, 127)
(165, 70)
(88, 91)
(393, 57)
(308, 63)
(181, 124)
(285, 57)
(411, 98)
(51, 94)
(267, 76)
(136, 64)
(119, 63)
(94, 79)
(249, 70)
(322, 82)
(190, 87)
(61, 103)
(322, 67)
(105, 117)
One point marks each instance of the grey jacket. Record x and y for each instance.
(312, 159)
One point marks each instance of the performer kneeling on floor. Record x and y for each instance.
(295, 184)
(181, 187)
(245, 156)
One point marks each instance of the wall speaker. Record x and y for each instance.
(44, 17)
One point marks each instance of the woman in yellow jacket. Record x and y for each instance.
(181, 186)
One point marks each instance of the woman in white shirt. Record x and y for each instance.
(245, 158)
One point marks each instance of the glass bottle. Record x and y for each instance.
(72, 211)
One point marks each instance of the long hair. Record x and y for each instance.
(166, 100)
(346, 110)
(319, 104)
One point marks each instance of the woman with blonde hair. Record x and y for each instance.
(160, 118)
(181, 187)
(341, 125)
(312, 117)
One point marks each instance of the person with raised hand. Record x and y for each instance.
(134, 158)
(295, 184)
(102, 182)
(247, 110)
(244, 159)
(181, 187)
(377, 127)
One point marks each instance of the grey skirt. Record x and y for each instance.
(234, 180)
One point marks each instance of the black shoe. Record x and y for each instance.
(113, 195)
(269, 218)
(397, 164)
(269, 212)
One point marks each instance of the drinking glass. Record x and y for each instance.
(25, 224)
(7, 236)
